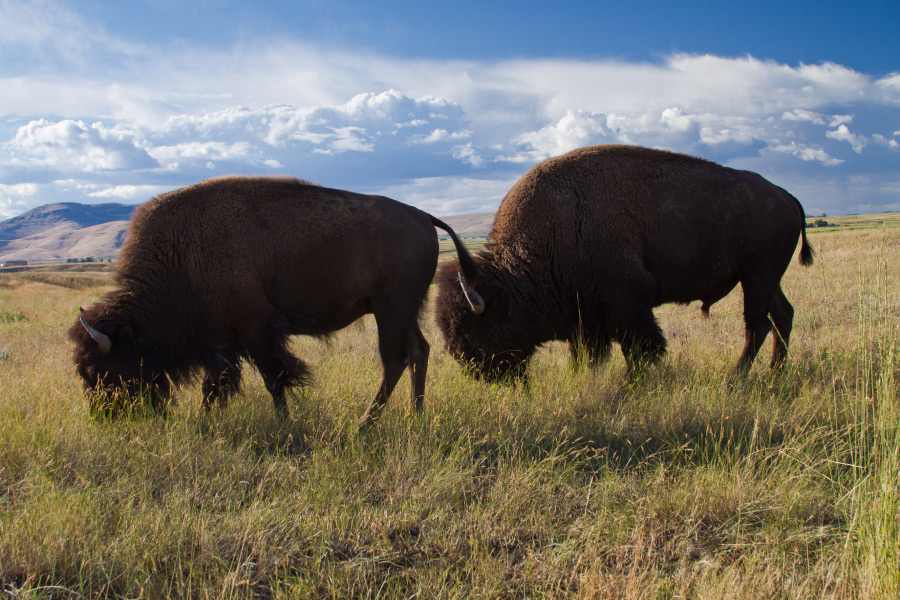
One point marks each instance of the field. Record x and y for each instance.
(679, 484)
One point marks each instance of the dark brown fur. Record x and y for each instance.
(231, 267)
(585, 245)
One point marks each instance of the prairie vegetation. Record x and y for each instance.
(677, 484)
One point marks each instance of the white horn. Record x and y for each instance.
(476, 303)
(103, 341)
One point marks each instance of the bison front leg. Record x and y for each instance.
(589, 349)
(221, 378)
(266, 345)
(641, 338)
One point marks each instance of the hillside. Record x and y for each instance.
(470, 225)
(70, 230)
(65, 230)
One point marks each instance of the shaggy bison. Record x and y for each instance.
(229, 268)
(586, 244)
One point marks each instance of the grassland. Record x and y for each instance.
(677, 485)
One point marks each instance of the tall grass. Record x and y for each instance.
(676, 484)
(875, 495)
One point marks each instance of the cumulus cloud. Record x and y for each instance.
(883, 141)
(452, 195)
(576, 128)
(16, 198)
(70, 144)
(842, 133)
(801, 114)
(128, 193)
(425, 128)
(807, 153)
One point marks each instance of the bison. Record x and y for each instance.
(585, 245)
(229, 268)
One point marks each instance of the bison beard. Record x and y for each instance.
(586, 244)
(230, 268)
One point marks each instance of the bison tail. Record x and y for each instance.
(466, 262)
(806, 253)
(806, 250)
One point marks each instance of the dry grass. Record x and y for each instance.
(676, 485)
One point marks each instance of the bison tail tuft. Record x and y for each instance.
(806, 254)
(806, 251)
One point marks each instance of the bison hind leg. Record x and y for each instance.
(419, 351)
(394, 350)
(401, 344)
(782, 313)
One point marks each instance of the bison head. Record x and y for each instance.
(490, 338)
(112, 363)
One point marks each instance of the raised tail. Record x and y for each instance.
(466, 262)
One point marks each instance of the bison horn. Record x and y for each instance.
(476, 303)
(103, 341)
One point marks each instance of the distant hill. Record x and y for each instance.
(65, 230)
(72, 230)
(470, 225)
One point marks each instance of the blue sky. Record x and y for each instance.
(441, 104)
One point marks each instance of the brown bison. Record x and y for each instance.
(230, 268)
(586, 244)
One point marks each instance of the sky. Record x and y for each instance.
(441, 104)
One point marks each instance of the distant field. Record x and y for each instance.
(857, 221)
(680, 484)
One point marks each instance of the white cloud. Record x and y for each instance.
(347, 138)
(363, 121)
(129, 193)
(443, 196)
(837, 120)
(70, 144)
(172, 157)
(804, 115)
(576, 128)
(46, 28)
(467, 154)
(890, 85)
(676, 120)
(883, 141)
(808, 153)
(16, 198)
(842, 133)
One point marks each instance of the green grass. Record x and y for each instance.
(677, 485)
